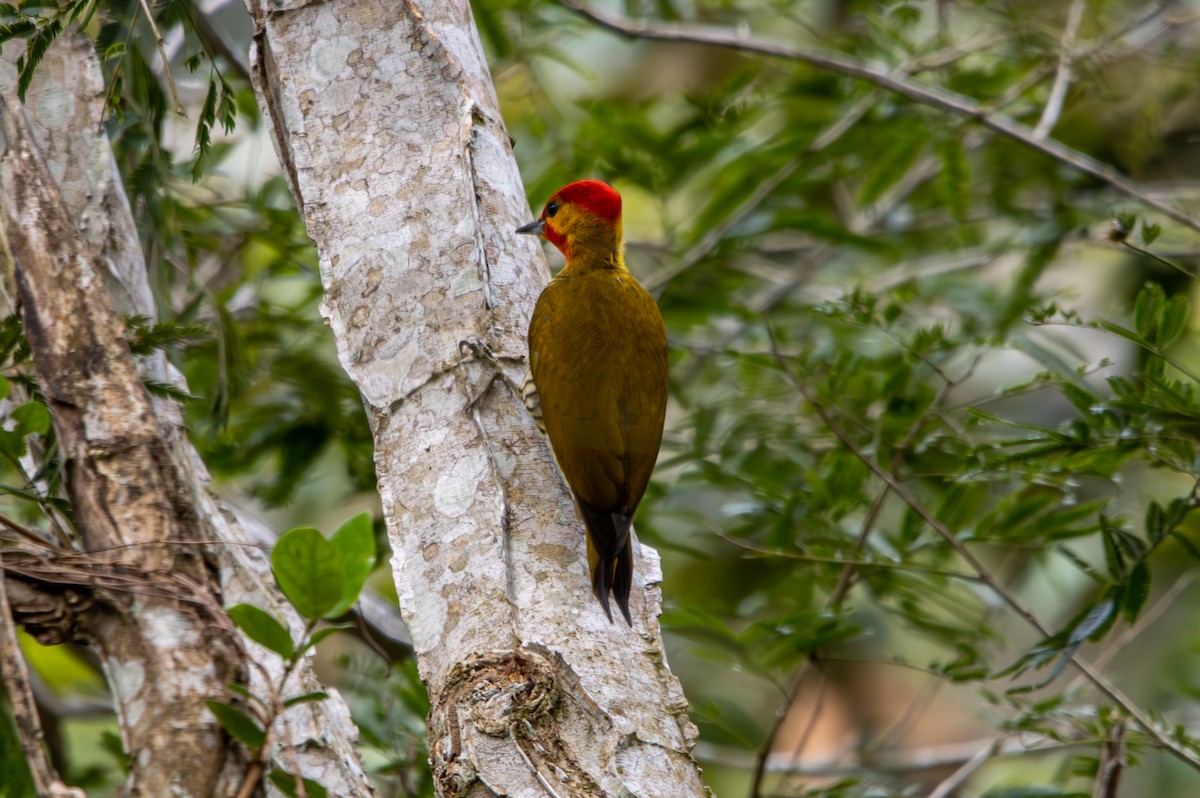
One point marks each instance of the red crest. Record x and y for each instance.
(593, 196)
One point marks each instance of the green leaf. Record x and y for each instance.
(1114, 559)
(262, 627)
(35, 50)
(32, 419)
(168, 391)
(891, 164)
(13, 445)
(246, 692)
(208, 117)
(146, 338)
(1095, 622)
(238, 723)
(286, 783)
(5, 388)
(1156, 521)
(1150, 232)
(1080, 398)
(309, 571)
(20, 27)
(1137, 590)
(1172, 320)
(1189, 546)
(955, 177)
(1146, 308)
(355, 540)
(306, 698)
(324, 632)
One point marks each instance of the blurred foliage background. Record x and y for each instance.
(934, 420)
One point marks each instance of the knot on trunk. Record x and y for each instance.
(518, 717)
(509, 690)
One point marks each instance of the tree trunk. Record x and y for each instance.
(390, 135)
(156, 582)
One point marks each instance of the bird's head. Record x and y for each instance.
(584, 221)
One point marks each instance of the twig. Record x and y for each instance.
(713, 237)
(1062, 78)
(807, 557)
(162, 53)
(891, 735)
(1159, 258)
(914, 760)
(935, 267)
(215, 43)
(764, 752)
(923, 93)
(956, 779)
(1111, 765)
(23, 530)
(1095, 677)
(811, 724)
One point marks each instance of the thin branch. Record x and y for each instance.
(920, 703)
(1159, 258)
(162, 54)
(1003, 593)
(23, 531)
(713, 237)
(764, 752)
(913, 760)
(1111, 765)
(1062, 78)
(807, 557)
(809, 726)
(923, 93)
(913, 272)
(827, 137)
(214, 43)
(956, 779)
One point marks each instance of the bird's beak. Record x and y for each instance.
(533, 228)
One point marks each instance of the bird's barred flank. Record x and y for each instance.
(533, 404)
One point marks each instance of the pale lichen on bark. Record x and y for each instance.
(391, 135)
(168, 650)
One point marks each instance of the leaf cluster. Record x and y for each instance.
(321, 578)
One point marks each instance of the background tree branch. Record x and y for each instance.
(63, 139)
(894, 81)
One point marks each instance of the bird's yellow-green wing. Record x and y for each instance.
(598, 356)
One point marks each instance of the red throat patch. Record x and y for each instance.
(557, 239)
(594, 197)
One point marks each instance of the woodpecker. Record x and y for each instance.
(598, 377)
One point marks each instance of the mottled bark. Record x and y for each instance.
(135, 481)
(391, 137)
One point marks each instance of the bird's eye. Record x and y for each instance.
(552, 208)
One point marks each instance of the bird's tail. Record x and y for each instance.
(610, 556)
